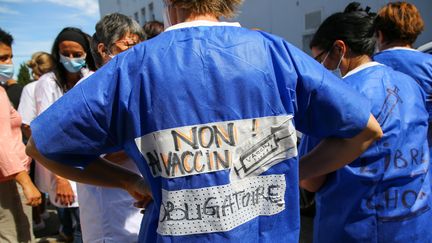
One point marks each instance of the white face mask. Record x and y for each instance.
(110, 55)
(337, 72)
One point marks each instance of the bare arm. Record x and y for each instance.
(99, 172)
(313, 184)
(31, 193)
(118, 158)
(64, 192)
(334, 153)
(26, 131)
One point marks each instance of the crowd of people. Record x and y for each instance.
(105, 215)
(188, 131)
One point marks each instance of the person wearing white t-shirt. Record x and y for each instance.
(40, 63)
(108, 214)
(27, 107)
(71, 53)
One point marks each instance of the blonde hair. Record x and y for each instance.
(41, 63)
(219, 8)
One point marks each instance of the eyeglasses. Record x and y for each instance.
(318, 57)
(127, 42)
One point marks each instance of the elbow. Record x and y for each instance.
(378, 134)
(313, 184)
(375, 131)
(31, 149)
(381, 134)
(308, 186)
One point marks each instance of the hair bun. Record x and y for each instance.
(355, 7)
(31, 63)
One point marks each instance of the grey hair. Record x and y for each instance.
(114, 26)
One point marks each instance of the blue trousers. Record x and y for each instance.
(70, 221)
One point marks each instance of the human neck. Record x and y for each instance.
(183, 15)
(206, 17)
(385, 46)
(72, 79)
(357, 61)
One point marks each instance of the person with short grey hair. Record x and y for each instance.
(108, 214)
(114, 33)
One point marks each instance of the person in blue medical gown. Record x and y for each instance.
(397, 26)
(208, 111)
(384, 195)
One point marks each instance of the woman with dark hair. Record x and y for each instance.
(397, 26)
(73, 60)
(72, 55)
(208, 112)
(384, 195)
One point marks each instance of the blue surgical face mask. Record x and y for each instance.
(6, 72)
(73, 65)
(337, 72)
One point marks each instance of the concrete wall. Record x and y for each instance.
(286, 18)
(139, 10)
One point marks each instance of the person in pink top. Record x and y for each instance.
(15, 201)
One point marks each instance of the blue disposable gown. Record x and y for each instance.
(383, 196)
(203, 112)
(416, 64)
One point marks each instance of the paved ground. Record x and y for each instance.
(50, 233)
